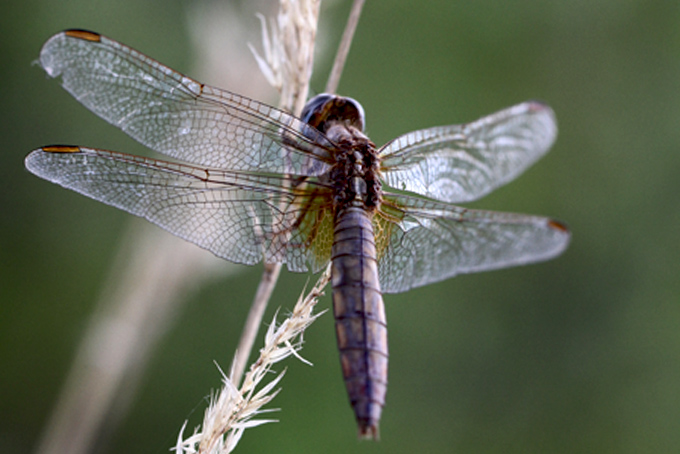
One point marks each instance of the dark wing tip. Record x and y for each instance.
(561, 237)
(536, 104)
(56, 54)
(539, 107)
(60, 149)
(83, 34)
(34, 159)
(557, 225)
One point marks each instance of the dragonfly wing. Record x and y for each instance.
(434, 241)
(241, 217)
(178, 116)
(461, 163)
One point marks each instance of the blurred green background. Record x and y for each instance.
(577, 355)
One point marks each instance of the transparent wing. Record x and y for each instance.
(178, 116)
(461, 163)
(241, 217)
(434, 241)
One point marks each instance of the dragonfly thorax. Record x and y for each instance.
(355, 172)
(354, 175)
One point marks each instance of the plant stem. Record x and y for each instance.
(343, 48)
(264, 291)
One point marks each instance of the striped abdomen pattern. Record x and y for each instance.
(360, 322)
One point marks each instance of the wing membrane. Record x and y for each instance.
(461, 163)
(231, 204)
(241, 217)
(434, 241)
(178, 116)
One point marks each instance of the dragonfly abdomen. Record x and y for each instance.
(360, 322)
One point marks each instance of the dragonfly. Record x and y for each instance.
(252, 183)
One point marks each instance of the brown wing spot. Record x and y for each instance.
(558, 226)
(61, 149)
(84, 34)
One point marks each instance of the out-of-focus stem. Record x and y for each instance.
(343, 48)
(264, 291)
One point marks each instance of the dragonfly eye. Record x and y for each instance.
(325, 108)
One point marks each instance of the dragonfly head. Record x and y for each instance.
(324, 109)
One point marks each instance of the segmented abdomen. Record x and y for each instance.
(360, 322)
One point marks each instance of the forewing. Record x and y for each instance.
(430, 241)
(241, 217)
(178, 116)
(461, 163)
